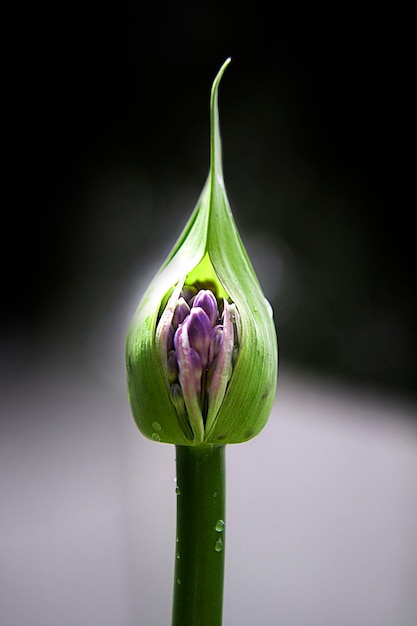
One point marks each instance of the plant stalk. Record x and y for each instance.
(200, 541)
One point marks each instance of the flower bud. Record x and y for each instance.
(201, 350)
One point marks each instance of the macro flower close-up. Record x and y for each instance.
(202, 349)
(202, 364)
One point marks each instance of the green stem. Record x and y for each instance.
(199, 562)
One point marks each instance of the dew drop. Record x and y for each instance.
(178, 581)
(219, 526)
(177, 490)
(214, 495)
(218, 546)
(156, 437)
(156, 426)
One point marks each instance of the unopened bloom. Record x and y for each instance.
(196, 344)
(201, 350)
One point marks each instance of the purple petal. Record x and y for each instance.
(205, 299)
(221, 370)
(199, 332)
(164, 330)
(182, 310)
(190, 370)
(216, 341)
(188, 292)
(169, 337)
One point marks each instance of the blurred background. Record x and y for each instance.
(106, 145)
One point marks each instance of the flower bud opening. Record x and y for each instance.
(202, 351)
(198, 345)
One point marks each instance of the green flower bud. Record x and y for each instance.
(201, 350)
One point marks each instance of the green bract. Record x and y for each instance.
(209, 255)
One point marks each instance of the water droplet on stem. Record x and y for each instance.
(218, 546)
(219, 526)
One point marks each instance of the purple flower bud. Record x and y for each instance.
(199, 332)
(188, 292)
(189, 376)
(216, 340)
(221, 370)
(206, 300)
(196, 347)
(182, 310)
(170, 337)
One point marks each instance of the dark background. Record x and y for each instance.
(107, 150)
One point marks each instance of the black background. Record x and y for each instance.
(316, 126)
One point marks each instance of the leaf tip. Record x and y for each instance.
(220, 74)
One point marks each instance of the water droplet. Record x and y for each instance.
(219, 526)
(178, 581)
(156, 426)
(218, 546)
(156, 437)
(178, 556)
(255, 310)
(214, 495)
(177, 540)
(177, 490)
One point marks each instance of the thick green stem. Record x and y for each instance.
(199, 562)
